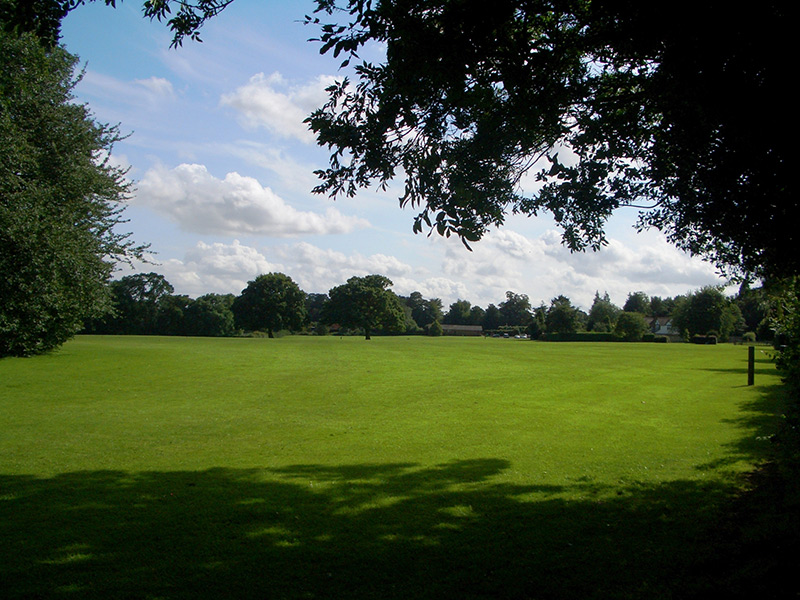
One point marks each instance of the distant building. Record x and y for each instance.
(663, 326)
(475, 330)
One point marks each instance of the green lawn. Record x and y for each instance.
(307, 467)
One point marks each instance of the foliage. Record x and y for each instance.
(459, 313)
(171, 315)
(637, 302)
(784, 298)
(424, 312)
(435, 329)
(538, 325)
(272, 302)
(43, 17)
(365, 303)
(562, 316)
(610, 104)
(60, 201)
(492, 319)
(603, 314)
(211, 315)
(707, 310)
(631, 326)
(314, 304)
(754, 306)
(135, 301)
(515, 310)
(661, 307)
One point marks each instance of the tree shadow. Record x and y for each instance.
(357, 531)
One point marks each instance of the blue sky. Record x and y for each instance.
(223, 167)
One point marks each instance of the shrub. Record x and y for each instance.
(631, 326)
(749, 337)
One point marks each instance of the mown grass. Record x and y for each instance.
(396, 468)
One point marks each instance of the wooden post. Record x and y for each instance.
(751, 365)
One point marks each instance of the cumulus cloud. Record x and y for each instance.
(543, 268)
(320, 269)
(278, 105)
(236, 205)
(217, 267)
(226, 268)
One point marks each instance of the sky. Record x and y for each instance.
(222, 170)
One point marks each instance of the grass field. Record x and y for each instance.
(396, 468)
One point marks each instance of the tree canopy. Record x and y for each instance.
(667, 108)
(707, 311)
(366, 303)
(43, 17)
(603, 314)
(270, 302)
(60, 201)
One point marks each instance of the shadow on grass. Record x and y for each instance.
(360, 531)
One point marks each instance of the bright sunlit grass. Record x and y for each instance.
(399, 467)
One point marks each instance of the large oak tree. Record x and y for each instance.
(270, 302)
(365, 303)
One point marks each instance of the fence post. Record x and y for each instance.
(751, 365)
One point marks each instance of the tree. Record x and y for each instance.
(424, 312)
(211, 315)
(538, 324)
(435, 329)
(135, 302)
(603, 314)
(637, 302)
(754, 306)
(43, 17)
(562, 316)
(365, 303)
(611, 104)
(272, 302)
(60, 201)
(707, 311)
(661, 307)
(516, 310)
(459, 313)
(171, 315)
(491, 318)
(631, 326)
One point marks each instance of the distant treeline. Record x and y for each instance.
(145, 304)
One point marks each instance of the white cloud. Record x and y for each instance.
(319, 269)
(277, 105)
(158, 86)
(543, 268)
(148, 93)
(504, 260)
(236, 205)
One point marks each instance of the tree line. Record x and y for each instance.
(145, 304)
